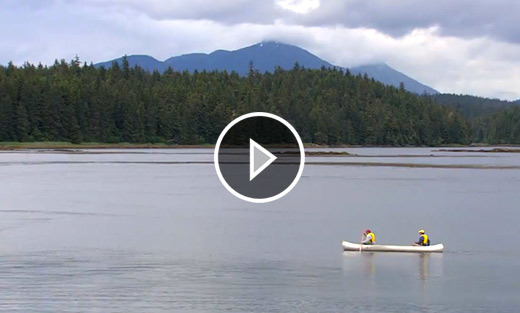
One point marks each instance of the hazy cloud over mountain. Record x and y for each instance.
(454, 46)
(462, 18)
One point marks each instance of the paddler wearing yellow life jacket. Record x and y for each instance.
(368, 237)
(423, 239)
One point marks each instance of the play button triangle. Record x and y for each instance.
(259, 159)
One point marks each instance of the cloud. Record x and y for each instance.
(299, 6)
(462, 18)
(431, 50)
(222, 11)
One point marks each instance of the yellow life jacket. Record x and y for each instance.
(373, 237)
(425, 239)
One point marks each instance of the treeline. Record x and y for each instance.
(473, 107)
(82, 103)
(499, 128)
(493, 121)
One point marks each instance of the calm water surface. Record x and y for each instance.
(105, 233)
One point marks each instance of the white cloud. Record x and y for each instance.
(299, 6)
(99, 31)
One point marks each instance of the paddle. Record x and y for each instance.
(361, 242)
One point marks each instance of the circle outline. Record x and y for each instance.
(217, 149)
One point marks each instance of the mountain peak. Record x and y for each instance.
(271, 42)
(266, 56)
(272, 45)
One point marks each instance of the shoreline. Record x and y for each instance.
(509, 149)
(51, 145)
(318, 163)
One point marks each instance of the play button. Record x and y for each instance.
(259, 157)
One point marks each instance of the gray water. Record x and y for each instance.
(105, 233)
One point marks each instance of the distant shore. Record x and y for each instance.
(53, 145)
(68, 147)
(493, 150)
(94, 145)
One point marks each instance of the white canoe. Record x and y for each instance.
(349, 246)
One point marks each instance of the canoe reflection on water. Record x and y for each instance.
(424, 266)
(375, 267)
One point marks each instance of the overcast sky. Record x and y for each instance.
(457, 46)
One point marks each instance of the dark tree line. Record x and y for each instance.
(493, 121)
(82, 103)
(473, 107)
(499, 128)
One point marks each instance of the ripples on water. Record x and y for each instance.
(111, 237)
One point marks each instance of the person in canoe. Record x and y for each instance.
(423, 239)
(368, 238)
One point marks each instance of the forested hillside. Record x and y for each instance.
(493, 121)
(473, 107)
(499, 128)
(77, 103)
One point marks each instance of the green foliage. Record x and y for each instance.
(473, 107)
(70, 102)
(499, 128)
(492, 121)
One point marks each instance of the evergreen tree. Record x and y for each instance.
(78, 102)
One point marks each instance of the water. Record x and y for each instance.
(88, 233)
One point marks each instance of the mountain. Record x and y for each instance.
(146, 62)
(390, 76)
(265, 57)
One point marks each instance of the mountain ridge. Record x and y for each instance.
(266, 56)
